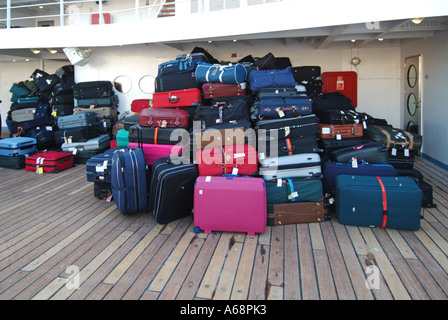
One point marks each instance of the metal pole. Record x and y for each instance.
(8, 14)
(61, 13)
(100, 11)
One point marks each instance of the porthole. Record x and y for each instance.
(147, 84)
(412, 76)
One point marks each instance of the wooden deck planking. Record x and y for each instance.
(60, 224)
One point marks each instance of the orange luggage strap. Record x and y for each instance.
(156, 132)
(289, 146)
(383, 191)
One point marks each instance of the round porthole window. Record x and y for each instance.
(147, 84)
(122, 84)
(412, 104)
(412, 76)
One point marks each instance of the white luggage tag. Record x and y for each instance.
(287, 131)
(354, 162)
(280, 112)
(338, 136)
(406, 152)
(394, 151)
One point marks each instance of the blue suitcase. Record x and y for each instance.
(331, 170)
(85, 119)
(98, 167)
(17, 146)
(373, 201)
(129, 180)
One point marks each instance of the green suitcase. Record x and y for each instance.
(122, 138)
(17, 162)
(292, 190)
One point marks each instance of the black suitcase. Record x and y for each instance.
(341, 117)
(172, 189)
(417, 176)
(93, 89)
(330, 145)
(62, 109)
(80, 134)
(65, 98)
(153, 135)
(176, 81)
(102, 189)
(287, 146)
(401, 158)
(306, 73)
(291, 127)
(373, 152)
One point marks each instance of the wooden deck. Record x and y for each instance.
(51, 226)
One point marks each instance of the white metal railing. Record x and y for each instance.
(27, 13)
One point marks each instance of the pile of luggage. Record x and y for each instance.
(54, 113)
(245, 145)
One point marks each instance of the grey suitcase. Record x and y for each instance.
(22, 115)
(99, 143)
(100, 112)
(298, 165)
(85, 119)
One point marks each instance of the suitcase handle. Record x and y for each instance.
(173, 99)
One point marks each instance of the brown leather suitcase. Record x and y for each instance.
(217, 90)
(164, 117)
(299, 212)
(340, 131)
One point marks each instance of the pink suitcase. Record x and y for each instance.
(230, 203)
(156, 151)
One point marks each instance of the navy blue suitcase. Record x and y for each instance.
(129, 180)
(99, 167)
(372, 201)
(331, 170)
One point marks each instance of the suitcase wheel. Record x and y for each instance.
(197, 230)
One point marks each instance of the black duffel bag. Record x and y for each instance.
(332, 101)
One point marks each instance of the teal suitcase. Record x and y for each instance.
(372, 201)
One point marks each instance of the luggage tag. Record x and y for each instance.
(354, 162)
(279, 182)
(280, 112)
(338, 136)
(39, 162)
(394, 151)
(406, 152)
(287, 131)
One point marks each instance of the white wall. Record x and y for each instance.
(378, 74)
(434, 53)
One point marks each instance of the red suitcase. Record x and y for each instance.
(212, 90)
(240, 159)
(230, 204)
(340, 131)
(164, 118)
(345, 82)
(49, 161)
(177, 98)
(138, 105)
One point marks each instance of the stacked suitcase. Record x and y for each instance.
(100, 98)
(240, 145)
